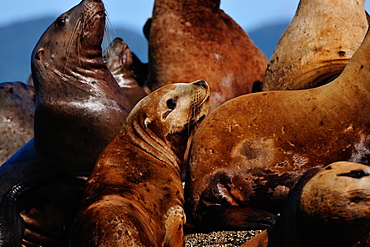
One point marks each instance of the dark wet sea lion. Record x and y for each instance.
(248, 154)
(317, 45)
(134, 196)
(119, 60)
(328, 207)
(13, 202)
(79, 110)
(17, 102)
(194, 39)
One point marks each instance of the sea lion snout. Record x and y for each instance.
(202, 83)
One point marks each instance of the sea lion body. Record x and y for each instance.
(79, 109)
(119, 60)
(17, 102)
(328, 207)
(317, 44)
(134, 196)
(195, 39)
(249, 153)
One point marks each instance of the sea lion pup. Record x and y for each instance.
(317, 44)
(17, 102)
(134, 196)
(194, 39)
(328, 207)
(79, 110)
(249, 153)
(119, 60)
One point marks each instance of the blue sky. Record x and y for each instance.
(133, 14)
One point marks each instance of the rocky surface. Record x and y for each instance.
(219, 239)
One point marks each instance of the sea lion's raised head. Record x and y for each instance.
(74, 38)
(79, 105)
(170, 113)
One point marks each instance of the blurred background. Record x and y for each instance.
(22, 22)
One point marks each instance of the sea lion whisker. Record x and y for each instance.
(70, 42)
(108, 37)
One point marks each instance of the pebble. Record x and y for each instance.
(219, 238)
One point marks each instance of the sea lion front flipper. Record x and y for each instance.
(15, 200)
(236, 218)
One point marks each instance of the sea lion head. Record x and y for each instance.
(72, 41)
(169, 114)
(118, 57)
(336, 202)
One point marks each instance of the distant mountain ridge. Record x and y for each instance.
(18, 40)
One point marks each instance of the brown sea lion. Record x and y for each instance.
(134, 196)
(248, 154)
(79, 110)
(195, 39)
(317, 44)
(119, 60)
(17, 102)
(328, 207)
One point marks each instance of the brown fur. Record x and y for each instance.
(249, 153)
(195, 39)
(317, 45)
(17, 102)
(119, 60)
(134, 196)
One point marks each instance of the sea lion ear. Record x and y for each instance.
(146, 122)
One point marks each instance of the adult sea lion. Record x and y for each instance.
(17, 102)
(79, 110)
(328, 207)
(195, 39)
(317, 44)
(134, 196)
(119, 60)
(249, 153)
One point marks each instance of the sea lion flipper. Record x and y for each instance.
(13, 202)
(236, 218)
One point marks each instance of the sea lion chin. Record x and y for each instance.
(134, 196)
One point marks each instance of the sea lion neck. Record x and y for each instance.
(139, 134)
(355, 75)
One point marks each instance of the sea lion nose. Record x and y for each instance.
(202, 83)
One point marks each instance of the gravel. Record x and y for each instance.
(219, 239)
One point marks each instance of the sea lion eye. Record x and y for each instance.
(60, 22)
(171, 103)
(355, 174)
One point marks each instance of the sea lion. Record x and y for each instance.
(248, 154)
(119, 60)
(317, 44)
(328, 207)
(195, 39)
(79, 110)
(17, 102)
(134, 196)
